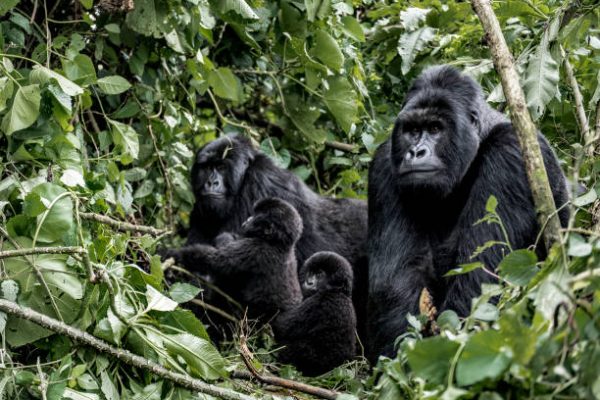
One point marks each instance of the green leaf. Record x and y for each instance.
(42, 75)
(465, 268)
(108, 387)
(304, 116)
(541, 80)
(157, 301)
(183, 292)
(24, 111)
(57, 222)
(430, 358)
(239, 7)
(586, 199)
(143, 19)
(519, 267)
(62, 281)
(578, 246)
(225, 84)
(80, 70)
(353, 29)
(341, 100)
(327, 50)
(7, 5)
(484, 356)
(491, 204)
(126, 139)
(411, 18)
(201, 357)
(6, 91)
(411, 44)
(113, 84)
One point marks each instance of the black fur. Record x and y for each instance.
(420, 228)
(338, 225)
(259, 268)
(320, 333)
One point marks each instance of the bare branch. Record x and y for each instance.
(42, 250)
(526, 130)
(341, 146)
(124, 226)
(276, 381)
(582, 120)
(121, 354)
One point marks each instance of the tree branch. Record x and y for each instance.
(124, 226)
(276, 381)
(521, 119)
(582, 120)
(42, 250)
(341, 146)
(121, 354)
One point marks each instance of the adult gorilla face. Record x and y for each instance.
(218, 172)
(435, 139)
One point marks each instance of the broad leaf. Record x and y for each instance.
(57, 221)
(157, 301)
(411, 44)
(484, 356)
(126, 139)
(341, 100)
(519, 267)
(430, 359)
(183, 292)
(24, 111)
(201, 357)
(353, 29)
(411, 18)
(80, 70)
(114, 84)
(541, 80)
(327, 50)
(239, 7)
(225, 84)
(42, 75)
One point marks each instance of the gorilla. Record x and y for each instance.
(320, 333)
(428, 186)
(229, 175)
(258, 268)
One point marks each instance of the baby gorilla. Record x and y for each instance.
(320, 333)
(258, 266)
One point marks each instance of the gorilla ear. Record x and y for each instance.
(474, 118)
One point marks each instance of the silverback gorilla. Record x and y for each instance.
(229, 175)
(428, 185)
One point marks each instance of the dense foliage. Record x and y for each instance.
(103, 103)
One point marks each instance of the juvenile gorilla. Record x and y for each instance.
(320, 333)
(230, 175)
(258, 269)
(428, 185)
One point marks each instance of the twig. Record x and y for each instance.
(124, 226)
(42, 250)
(121, 354)
(276, 381)
(524, 126)
(93, 121)
(582, 120)
(169, 210)
(341, 146)
(38, 273)
(214, 309)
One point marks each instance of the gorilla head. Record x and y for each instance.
(218, 172)
(326, 271)
(274, 221)
(437, 133)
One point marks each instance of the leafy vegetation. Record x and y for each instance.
(103, 103)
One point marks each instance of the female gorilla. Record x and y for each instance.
(230, 175)
(428, 186)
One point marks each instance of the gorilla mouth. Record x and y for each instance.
(216, 195)
(418, 171)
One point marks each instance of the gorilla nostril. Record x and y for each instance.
(422, 153)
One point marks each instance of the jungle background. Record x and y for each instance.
(104, 102)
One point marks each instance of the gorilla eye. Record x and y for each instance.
(220, 168)
(435, 128)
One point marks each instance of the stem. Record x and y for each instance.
(121, 354)
(124, 226)
(169, 209)
(521, 119)
(42, 250)
(582, 120)
(341, 146)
